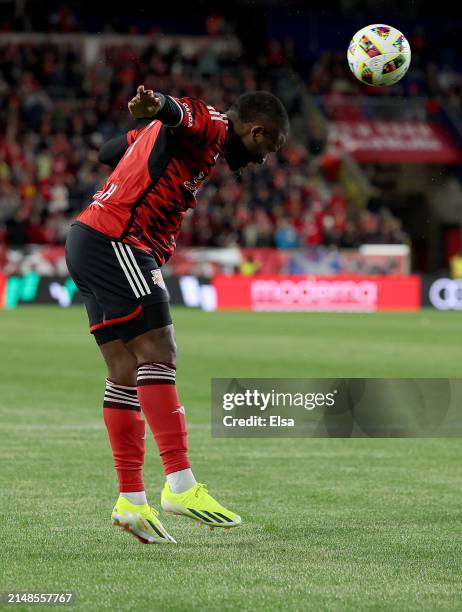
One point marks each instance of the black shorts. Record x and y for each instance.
(122, 287)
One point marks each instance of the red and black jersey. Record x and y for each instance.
(147, 195)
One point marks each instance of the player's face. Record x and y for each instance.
(252, 144)
(261, 141)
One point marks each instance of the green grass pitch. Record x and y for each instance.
(363, 524)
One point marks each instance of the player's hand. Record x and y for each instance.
(144, 104)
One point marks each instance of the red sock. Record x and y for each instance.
(126, 429)
(163, 411)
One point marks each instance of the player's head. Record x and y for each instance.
(260, 126)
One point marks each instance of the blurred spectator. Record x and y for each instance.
(248, 266)
(456, 266)
(285, 236)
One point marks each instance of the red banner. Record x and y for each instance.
(395, 142)
(318, 293)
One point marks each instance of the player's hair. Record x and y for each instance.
(257, 105)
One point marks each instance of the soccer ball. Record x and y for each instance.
(379, 55)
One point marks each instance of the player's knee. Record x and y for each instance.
(123, 371)
(121, 364)
(156, 346)
(164, 352)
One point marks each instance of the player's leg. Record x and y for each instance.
(122, 413)
(122, 417)
(155, 352)
(121, 410)
(126, 429)
(120, 362)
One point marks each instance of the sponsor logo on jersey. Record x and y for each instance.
(194, 185)
(188, 111)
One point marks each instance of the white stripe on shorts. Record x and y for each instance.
(124, 268)
(137, 268)
(131, 269)
(129, 265)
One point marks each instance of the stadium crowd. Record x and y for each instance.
(56, 111)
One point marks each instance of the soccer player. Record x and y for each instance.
(115, 250)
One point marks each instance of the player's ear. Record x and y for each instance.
(258, 133)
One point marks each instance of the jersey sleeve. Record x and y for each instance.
(200, 122)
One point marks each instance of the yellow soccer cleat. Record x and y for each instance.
(140, 521)
(196, 503)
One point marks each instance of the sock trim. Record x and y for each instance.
(116, 385)
(162, 363)
(156, 374)
(118, 396)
